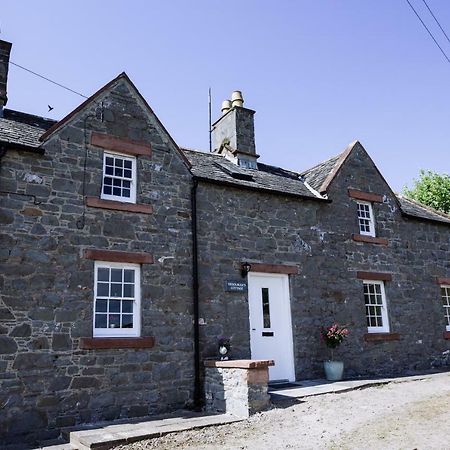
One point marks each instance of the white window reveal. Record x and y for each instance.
(376, 309)
(445, 294)
(365, 219)
(119, 178)
(117, 299)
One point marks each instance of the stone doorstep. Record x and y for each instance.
(107, 436)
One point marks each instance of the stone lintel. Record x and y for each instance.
(95, 202)
(107, 343)
(441, 280)
(376, 337)
(365, 196)
(116, 256)
(446, 335)
(376, 276)
(240, 363)
(122, 145)
(274, 268)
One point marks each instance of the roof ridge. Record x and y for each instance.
(14, 111)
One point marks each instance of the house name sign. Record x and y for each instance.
(235, 286)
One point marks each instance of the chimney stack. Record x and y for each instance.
(234, 133)
(5, 50)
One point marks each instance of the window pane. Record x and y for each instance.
(116, 191)
(128, 290)
(100, 321)
(126, 184)
(118, 172)
(266, 307)
(107, 190)
(127, 321)
(119, 162)
(117, 182)
(109, 161)
(125, 193)
(116, 290)
(103, 274)
(127, 164)
(107, 181)
(127, 173)
(102, 289)
(116, 275)
(101, 305)
(114, 306)
(127, 306)
(128, 276)
(109, 170)
(114, 321)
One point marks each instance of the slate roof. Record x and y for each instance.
(22, 129)
(412, 208)
(215, 168)
(318, 174)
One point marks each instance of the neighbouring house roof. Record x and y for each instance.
(214, 168)
(23, 130)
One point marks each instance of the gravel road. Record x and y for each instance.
(399, 415)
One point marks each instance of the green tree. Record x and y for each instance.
(431, 189)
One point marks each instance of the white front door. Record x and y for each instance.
(270, 323)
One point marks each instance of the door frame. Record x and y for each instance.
(287, 301)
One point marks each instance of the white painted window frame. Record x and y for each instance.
(446, 308)
(119, 198)
(371, 219)
(120, 332)
(384, 309)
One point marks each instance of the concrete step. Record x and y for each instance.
(106, 436)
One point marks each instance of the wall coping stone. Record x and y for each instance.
(95, 202)
(370, 239)
(123, 145)
(117, 256)
(240, 363)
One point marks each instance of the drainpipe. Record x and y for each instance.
(197, 387)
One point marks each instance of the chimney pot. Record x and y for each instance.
(226, 106)
(236, 99)
(5, 50)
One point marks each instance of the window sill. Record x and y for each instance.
(446, 335)
(95, 202)
(370, 239)
(377, 337)
(116, 342)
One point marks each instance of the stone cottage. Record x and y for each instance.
(124, 257)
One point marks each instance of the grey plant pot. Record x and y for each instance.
(334, 370)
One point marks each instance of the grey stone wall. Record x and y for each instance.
(46, 286)
(240, 225)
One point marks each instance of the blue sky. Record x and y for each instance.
(319, 73)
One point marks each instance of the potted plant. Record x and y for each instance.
(333, 337)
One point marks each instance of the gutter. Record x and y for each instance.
(195, 284)
(13, 146)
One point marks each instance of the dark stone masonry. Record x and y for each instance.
(99, 265)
